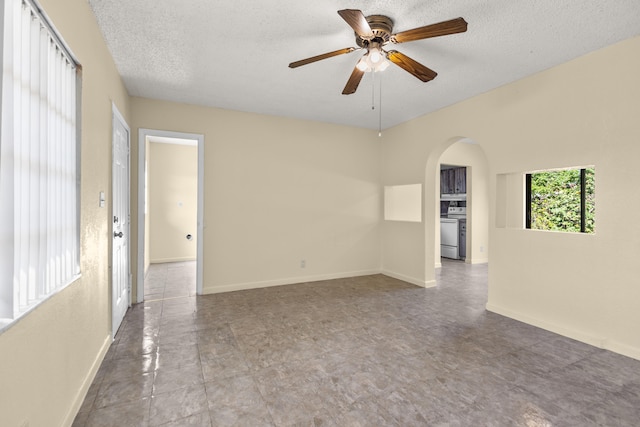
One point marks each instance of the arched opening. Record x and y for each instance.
(457, 152)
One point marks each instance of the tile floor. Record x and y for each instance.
(367, 351)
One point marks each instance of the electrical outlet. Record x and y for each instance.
(481, 248)
(303, 263)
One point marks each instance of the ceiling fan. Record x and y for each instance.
(375, 31)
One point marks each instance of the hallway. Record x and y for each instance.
(359, 351)
(170, 280)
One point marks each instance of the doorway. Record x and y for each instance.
(178, 234)
(466, 189)
(453, 212)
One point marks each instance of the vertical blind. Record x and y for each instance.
(39, 216)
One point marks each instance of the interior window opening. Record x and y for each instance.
(561, 200)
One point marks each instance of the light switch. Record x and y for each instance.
(102, 199)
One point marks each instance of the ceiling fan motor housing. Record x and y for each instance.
(381, 27)
(373, 33)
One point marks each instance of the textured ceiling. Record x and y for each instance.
(235, 54)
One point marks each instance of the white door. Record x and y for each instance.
(120, 219)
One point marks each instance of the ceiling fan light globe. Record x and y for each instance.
(363, 65)
(374, 56)
(383, 65)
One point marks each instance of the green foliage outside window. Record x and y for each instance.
(556, 201)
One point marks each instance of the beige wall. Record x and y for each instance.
(173, 202)
(48, 358)
(584, 112)
(278, 191)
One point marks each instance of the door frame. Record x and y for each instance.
(142, 158)
(117, 116)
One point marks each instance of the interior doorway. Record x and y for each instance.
(453, 212)
(175, 237)
(461, 175)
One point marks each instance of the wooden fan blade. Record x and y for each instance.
(458, 25)
(353, 82)
(357, 21)
(320, 57)
(417, 69)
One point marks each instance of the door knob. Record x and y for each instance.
(117, 234)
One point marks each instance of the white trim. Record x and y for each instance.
(624, 349)
(409, 279)
(173, 141)
(120, 117)
(86, 383)
(7, 323)
(165, 260)
(140, 220)
(142, 136)
(546, 325)
(289, 281)
(586, 338)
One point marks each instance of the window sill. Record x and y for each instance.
(7, 323)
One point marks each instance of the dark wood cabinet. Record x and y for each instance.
(447, 181)
(460, 181)
(453, 181)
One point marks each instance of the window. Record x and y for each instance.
(561, 200)
(39, 155)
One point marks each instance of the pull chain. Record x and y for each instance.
(380, 109)
(373, 90)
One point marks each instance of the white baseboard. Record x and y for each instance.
(624, 349)
(163, 260)
(286, 281)
(586, 338)
(409, 279)
(475, 261)
(438, 265)
(88, 380)
(316, 278)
